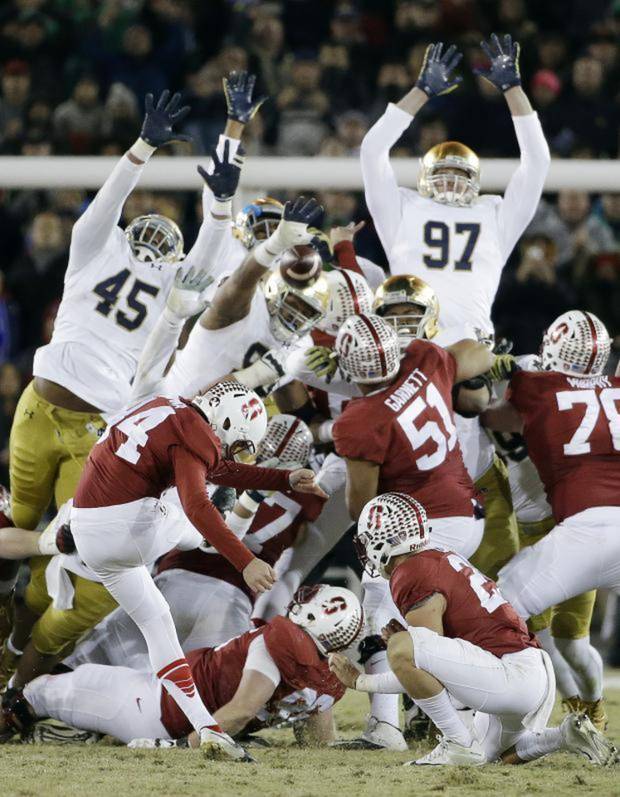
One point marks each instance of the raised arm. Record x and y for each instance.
(184, 301)
(526, 184)
(94, 227)
(472, 359)
(380, 186)
(220, 184)
(234, 296)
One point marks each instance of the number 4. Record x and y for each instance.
(137, 427)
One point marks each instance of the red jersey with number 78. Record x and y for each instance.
(571, 427)
(475, 608)
(408, 430)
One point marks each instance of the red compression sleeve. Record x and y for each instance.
(238, 475)
(345, 257)
(190, 476)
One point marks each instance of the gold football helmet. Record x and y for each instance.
(257, 220)
(450, 174)
(410, 305)
(294, 311)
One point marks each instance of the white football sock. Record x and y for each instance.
(535, 745)
(383, 707)
(441, 711)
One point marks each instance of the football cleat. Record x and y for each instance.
(219, 746)
(579, 736)
(571, 705)
(57, 732)
(378, 735)
(448, 753)
(595, 712)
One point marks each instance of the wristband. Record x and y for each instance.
(324, 432)
(249, 503)
(238, 525)
(172, 318)
(263, 255)
(221, 207)
(12, 648)
(141, 150)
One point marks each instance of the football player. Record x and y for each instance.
(568, 417)
(445, 232)
(255, 676)
(120, 525)
(409, 439)
(208, 598)
(461, 641)
(563, 630)
(116, 286)
(411, 305)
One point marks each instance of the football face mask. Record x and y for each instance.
(155, 238)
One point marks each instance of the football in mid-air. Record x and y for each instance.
(300, 266)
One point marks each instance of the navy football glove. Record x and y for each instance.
(435, 76)
(302, 210)
(157, 128)
(238, 89)
(503, 71)
(224, 179)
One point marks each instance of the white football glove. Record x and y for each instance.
(185, 298)
(291, 231)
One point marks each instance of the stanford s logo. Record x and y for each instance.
(252, 409)
(333, 605)
(375, 517)
(559, 332)
(346, 343)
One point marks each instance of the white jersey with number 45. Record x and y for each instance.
(110, 303)
(459, 251)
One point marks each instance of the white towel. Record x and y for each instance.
(537, 719)
(59, 584)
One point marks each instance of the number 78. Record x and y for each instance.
(606, 399)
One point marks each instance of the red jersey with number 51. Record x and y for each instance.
(475, 608)
(408, 430)
(571, 427)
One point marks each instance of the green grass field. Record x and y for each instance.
(107, 771)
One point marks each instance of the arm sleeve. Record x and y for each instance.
(345, 257)
(524, 190)
(260, 660)
(380, 186)
(190, 476)
(206, 251)
(158, 349)
(240, 476)
(95, 225)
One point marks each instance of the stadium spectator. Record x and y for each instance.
(14, 100)
(78, 121)
(303, 108)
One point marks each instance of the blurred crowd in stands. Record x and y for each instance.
(73, 74)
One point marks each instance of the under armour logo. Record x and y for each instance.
(29, 413)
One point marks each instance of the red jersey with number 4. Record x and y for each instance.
(217, 671)
(164, 442)
(475, 609)
(571, 427)
(274, 529)
(408, 429)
